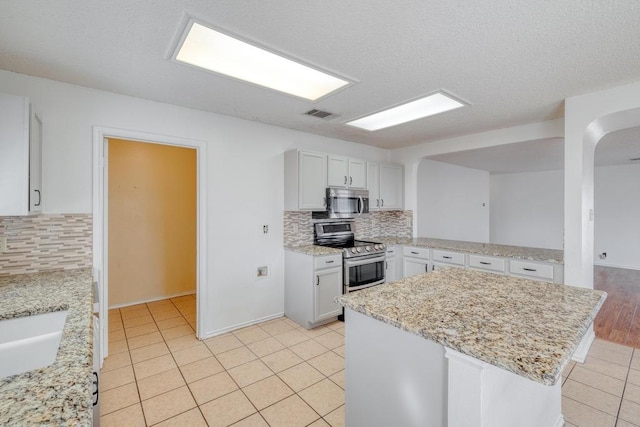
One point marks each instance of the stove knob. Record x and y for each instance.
(377, 247)
(353, 250)
(358, 250)
(367, 248)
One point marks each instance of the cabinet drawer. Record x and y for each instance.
(327, 261)
(447, 257)
(531, 269)
(413, 252)
(486, 263)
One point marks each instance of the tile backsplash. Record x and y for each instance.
(298, 226)
(46, 242)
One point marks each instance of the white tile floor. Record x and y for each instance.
(279, 374)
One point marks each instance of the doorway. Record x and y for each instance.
(158, 259)
(151, 222)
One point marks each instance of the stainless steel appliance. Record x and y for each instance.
(363, 261)
(343, 203)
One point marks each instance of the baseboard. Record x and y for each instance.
(559, 421)
(217, 332)
(583, 349)
(626, 267)
(144, 301)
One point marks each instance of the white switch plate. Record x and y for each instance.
(3, 243)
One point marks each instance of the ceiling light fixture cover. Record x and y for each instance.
(436, 103)
(212, 50)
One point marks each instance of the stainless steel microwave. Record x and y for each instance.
(344, 203)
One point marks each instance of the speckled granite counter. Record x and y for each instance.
(314, 250)
(59, 394)
(527, 327)
(518, 252)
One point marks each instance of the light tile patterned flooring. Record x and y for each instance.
(279, 374)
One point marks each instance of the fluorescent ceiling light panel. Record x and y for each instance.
(220, 53)
(423, 107)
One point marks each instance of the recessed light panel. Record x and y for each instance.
(220, 53)
(423, 107)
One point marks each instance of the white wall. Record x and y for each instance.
(527, 209)
(452, 202)
(245, 181)
(617, 215)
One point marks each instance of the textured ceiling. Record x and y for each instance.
(513, 61)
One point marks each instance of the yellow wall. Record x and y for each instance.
(152, 221)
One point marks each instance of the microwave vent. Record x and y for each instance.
(325, 115)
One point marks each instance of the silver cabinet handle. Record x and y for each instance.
(329, 262)
(350, 180)
(415, 253)
(317, 280)
(39, 198)
(446, 257)
(485, 263)
(386, 265)
(377, 203)
(529, 269)
(381, 203)
(345, 180)
(426, 268)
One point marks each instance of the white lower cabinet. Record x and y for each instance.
(394, 254)
(311, 286)
(531, 270)
(415, 260)
(487, 263)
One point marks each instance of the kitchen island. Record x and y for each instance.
(462, 348)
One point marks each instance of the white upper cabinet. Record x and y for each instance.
(391, 186)
(20, 157)
(385, 183)
(345, 172)
(305, 180)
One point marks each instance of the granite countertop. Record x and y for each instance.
(491, 249)
(59, 394)
(527, 327)
(314, 250)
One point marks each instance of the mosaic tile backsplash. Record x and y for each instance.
(46, 242)
(378, 223)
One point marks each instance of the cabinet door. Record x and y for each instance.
(373, 185)
(391, 275)
(14, 155)
(327, 286)
(338, 171)
(413, 266)
(357, 174)
(312, 177)
(35, 163)
(391, 186)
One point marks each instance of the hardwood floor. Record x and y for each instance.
(619, 318)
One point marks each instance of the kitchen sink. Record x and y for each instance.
(30, 342)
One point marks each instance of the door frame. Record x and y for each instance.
(101, 223)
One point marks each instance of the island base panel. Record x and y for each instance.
(393, 378)
(482, 395)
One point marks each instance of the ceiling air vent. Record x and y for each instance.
(325, 115)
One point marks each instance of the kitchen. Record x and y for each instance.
(244, 163)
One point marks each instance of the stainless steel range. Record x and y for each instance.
(363, 261)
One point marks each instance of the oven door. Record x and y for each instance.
(363, 272)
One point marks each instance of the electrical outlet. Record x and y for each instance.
(263, 271)
(3, 243)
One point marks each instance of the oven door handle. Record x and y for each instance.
(360, 205)
(360, 261)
